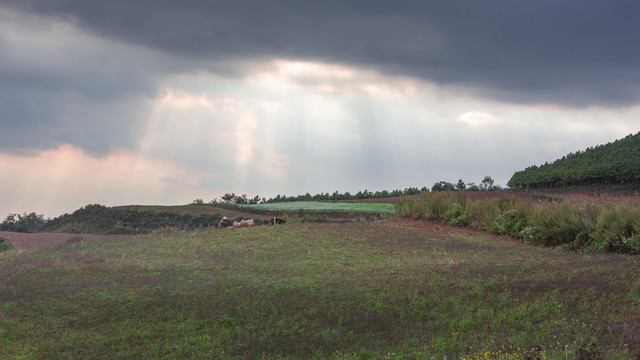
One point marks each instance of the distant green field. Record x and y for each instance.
(379, 208)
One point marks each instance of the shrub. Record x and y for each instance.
(5, 245)
(457, 215)
(530, 235)
(511, 223)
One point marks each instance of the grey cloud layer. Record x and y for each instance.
(61, 86)
(574, 53)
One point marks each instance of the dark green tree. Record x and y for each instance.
(487, 183)
(443, 186)
(613, 163)
(22, 222)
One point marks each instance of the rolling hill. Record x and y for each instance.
(614, 163)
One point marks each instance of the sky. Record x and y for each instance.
(164, 102)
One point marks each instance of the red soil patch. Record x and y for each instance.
(25, 241)
(604, 198)
(444, 229)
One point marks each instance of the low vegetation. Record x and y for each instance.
(391, 289)
(579, 225)
(5, 245)
(99, 219)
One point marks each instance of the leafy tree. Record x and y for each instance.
(460, 185)
(443, 186)
(487, 183)
(473, 187)
(22, 223)
(229, 198)
(256, 200)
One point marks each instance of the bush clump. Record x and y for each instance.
(511, 222)
(573, 226)
(5, 245)
(457, 215)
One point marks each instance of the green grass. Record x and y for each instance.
(374, 290)
(380, 208)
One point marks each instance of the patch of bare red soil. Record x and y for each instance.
(438, 228)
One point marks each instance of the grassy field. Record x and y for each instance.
(380, 208)
(386, 289)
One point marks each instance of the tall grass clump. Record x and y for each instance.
(617, 230)
(407, 208)
(431, 206)
(556, 223)
(481, 212)
(437, 205)
(572, 225)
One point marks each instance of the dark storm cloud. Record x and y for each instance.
(574, 53)
(59, 86)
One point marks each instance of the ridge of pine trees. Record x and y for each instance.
(613, 163)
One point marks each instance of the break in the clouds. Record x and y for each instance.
(163, 102)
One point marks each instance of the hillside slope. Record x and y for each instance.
(610, 164)
(99, 219)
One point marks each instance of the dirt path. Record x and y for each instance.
(24, 241)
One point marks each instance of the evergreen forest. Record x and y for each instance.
(610, 164)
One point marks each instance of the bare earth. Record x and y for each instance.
(25, 241)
